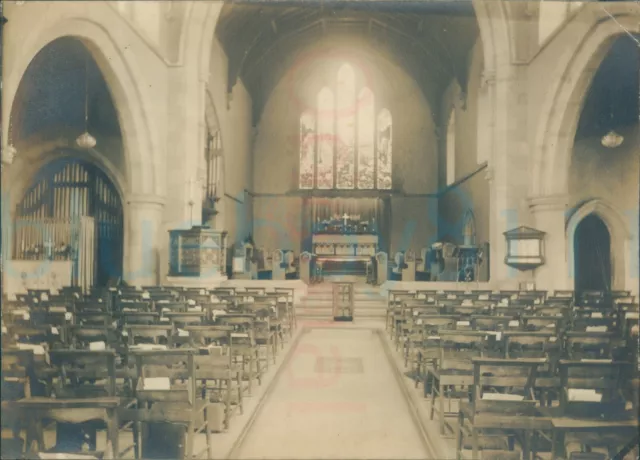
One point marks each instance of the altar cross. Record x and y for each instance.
(345, 217)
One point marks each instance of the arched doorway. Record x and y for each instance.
(592, 255)
(61, 194)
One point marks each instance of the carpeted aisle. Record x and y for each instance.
(336, 398)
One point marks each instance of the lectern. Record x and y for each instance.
(197, 252)
(343, 296)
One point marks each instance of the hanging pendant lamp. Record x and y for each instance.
(86, 140)
(9, 152)
(612, 139)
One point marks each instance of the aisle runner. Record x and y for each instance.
(337, 398)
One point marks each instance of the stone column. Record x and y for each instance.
(550, 216)
(504, 105)
(143, 220)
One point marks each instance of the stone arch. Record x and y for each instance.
(122, 77)
(43, 156)
(619, 232)
(561, 110)
(496, 48)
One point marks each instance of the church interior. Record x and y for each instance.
(327, 229)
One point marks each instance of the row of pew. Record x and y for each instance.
(523, 374)
(142, 365)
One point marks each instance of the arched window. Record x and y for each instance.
(366, 147)
(469, 229)
(307, 149)
(451, 147)
(326, 139)
(340, 145)
(385, 139)
(346, 123)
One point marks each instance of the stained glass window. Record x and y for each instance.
(342, 145)
(385, 149)
(366, 128)
(345, 123)
(307, 149)
(326, 138)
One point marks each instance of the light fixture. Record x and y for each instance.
(86, 140)
(612, 139)
(9, 152)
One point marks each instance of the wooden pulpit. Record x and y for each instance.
(197, 252)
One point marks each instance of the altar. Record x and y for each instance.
(344, 245)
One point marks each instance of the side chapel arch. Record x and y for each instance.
(561, 110)
(122, 78)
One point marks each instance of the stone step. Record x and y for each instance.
(356, 297)
(328, 312)
(321, 305)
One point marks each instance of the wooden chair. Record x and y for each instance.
(592, 411)
(128, 305)
(170, 307)
(85, 390)
(93, 318)
(452, 372)
(222, 384)
(394, 304)
(426, 342)
(137, 317)
(243, 346)
(502, 403)
(490, 323)
(167, 393)
(286, 297)
(187, 318)
(17, 378)
(81, 336)
(537, 344)
(419, 327)
(156, 334)
(589, 345)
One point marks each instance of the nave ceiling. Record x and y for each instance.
(430, 40)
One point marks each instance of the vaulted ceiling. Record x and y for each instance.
(431, 40)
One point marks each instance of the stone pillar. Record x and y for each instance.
(550, 216)
(503, 104)
(143, 219)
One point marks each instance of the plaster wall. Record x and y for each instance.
(276, 157)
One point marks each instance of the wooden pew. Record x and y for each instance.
(502, 403)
